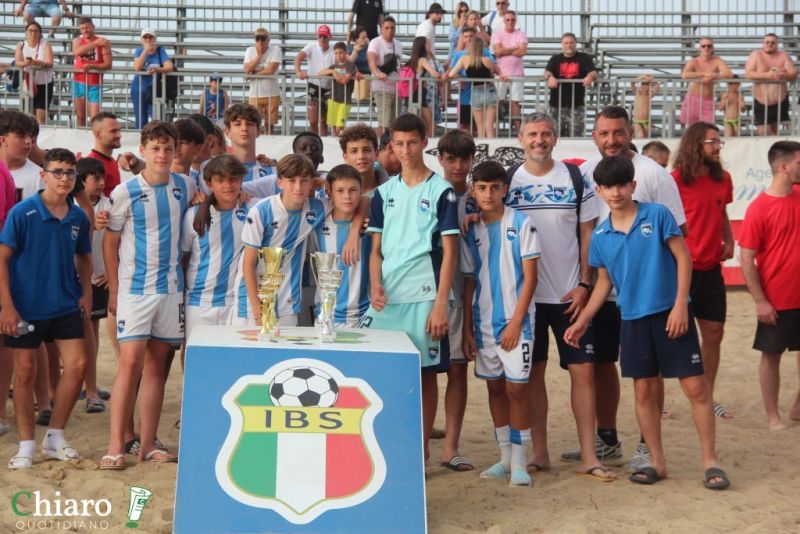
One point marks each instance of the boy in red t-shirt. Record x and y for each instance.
(770, 235)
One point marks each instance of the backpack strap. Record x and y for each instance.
(577, 184)
(492, 15)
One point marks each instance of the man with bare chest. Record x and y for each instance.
(774, 68)
(702, 71)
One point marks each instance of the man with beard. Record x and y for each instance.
(107, 134)
(563, 208)
(705, 190)
(567, 98)
(612, 136)
(771, 100)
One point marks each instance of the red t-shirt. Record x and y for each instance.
(704, 202)
(92, 57)
(771, 227)
(111, 167)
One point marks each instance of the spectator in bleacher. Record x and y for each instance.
(34, 56)
(214, 100)
(357, 44)
(44, 8)
(771, 100)
(154, 60)
(320, 56)
(493, 21)
(703, 70)
(468, 34)
(92, 57)
(368, 14)
(385, 55)
(510, 45)
(567, 98)
(427, 28)
(459, 22)
(474, 21)
(263, 59)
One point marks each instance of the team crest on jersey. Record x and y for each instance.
(143, 197)
(646, 229)
(558, 193)
(390, 203)
(326, 230)
(240, 214)
(424, 205)
(274, 225)
(177, 193)
(511, 233)
(311, 216)
(451, 197)
(301, 441)
(75, 230)
(121, 326)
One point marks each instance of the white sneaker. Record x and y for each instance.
(640, 459)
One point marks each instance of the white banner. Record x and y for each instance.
(744, 157)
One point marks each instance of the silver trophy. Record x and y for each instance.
(325, 268)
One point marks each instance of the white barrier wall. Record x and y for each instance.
(745, 157)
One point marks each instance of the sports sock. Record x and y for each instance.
(608, 435)
(503, 436)
(53, 439)
(520, 442)
(27, 448)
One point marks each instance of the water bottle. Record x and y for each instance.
(24, 327)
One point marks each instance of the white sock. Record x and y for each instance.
(53, 438)
(27, 448)
(503, 436)
(520, 443)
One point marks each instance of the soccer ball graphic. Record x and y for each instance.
(303, 386)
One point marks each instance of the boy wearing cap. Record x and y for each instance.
(320, 56)
(152, 60)
(427, 28)
(214, 101)
(263, 59)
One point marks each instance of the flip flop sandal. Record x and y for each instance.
(167, 459)
(114, 465)
(721, 412)
(20, 462)
(95, 406)
(459, 464)
(591, 473)
(716, 472)
(646, 475)
(103, 394)
(64, 452)
(536, 468)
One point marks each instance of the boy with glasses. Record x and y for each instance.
(264, 59)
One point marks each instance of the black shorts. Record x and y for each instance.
(606, 325)
(465, 114)
(552, 316)
(99, 302)
(648, 352)
(781, 337)
(769, 114)
(708, 297)
(69, 326)
(44, 95)
(315, 93)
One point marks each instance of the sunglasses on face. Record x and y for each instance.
(261, 38)
(707, 46)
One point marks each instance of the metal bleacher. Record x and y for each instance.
(627, 37)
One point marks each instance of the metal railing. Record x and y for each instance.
(489, 114)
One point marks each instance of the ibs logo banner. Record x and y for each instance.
(301, 441)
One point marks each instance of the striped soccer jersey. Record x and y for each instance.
(352, 299)
(213, 259)
(493, 253)
(270, 224)
(150, 219)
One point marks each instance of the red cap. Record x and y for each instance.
(324, 30)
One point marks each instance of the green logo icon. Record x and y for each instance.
(139, 498)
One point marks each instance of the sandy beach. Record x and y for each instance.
(763, 465)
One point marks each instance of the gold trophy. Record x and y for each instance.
(325, 267)
(269, 282)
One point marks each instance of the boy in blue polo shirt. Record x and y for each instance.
(410, 275)
(639, 248)
(55, 296)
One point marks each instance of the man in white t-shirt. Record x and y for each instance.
(320, 56)
(427, 28)
(612, 135)
(16, 142)
(264, 59)
(385, 55)
(493, 21)
(510, 46)
(563, 208)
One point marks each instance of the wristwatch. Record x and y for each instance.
(587, 287)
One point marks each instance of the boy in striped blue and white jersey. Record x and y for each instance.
(499, 255)
(212, 244)
(352, 298)
(142, 253)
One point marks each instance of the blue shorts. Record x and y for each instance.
(79, 91)
(647, 351)
(552, 316)
(483, 96)
(412, 318)
(43, 10)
